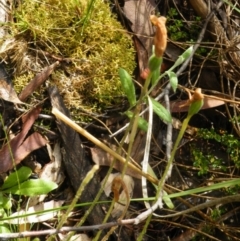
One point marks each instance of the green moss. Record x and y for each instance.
(88, 34)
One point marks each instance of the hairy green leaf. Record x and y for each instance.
(183, 57)
(173, 80)
(128, 86)
(161, 111)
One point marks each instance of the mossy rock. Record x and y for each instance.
(87, 33)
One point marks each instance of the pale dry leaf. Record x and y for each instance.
(36, 218)
(77, 237)
(51, 171)
(119, 206)
(8, 93)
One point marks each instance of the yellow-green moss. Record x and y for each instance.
(87, 34)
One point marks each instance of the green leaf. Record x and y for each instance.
(142, 123)
(16, 177)
(128, 86)
(33, 187)
(4, 229)
(173, 80)
(183, 57)
(7, 203)
(161, 111)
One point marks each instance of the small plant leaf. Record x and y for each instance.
(161, 111)
(128, 86)
(173, 80)
(21, 175)
(32, 188)
(142, 123)
(183, 57)
(7, 203)
(4, 229)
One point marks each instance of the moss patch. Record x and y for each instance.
(85, 32)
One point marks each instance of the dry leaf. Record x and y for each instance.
(180, 106)
(77, 237)
(37, 81)
(138, 12)
(103, 158)
(36, 218)
(122, 200)
(8, 93)
(20, 146)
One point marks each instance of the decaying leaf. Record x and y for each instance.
(103, 158)
(122, 200)
(51, 171)
(77, 237)
(20, 146)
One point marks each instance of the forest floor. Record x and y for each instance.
(91, 150)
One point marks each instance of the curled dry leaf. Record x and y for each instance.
(117, 184)
(160, 38)
(51, 171)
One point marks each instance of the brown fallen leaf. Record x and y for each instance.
(180, 106)
(37, 81)
(103, 158)
(19, 147)
(138, 12)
